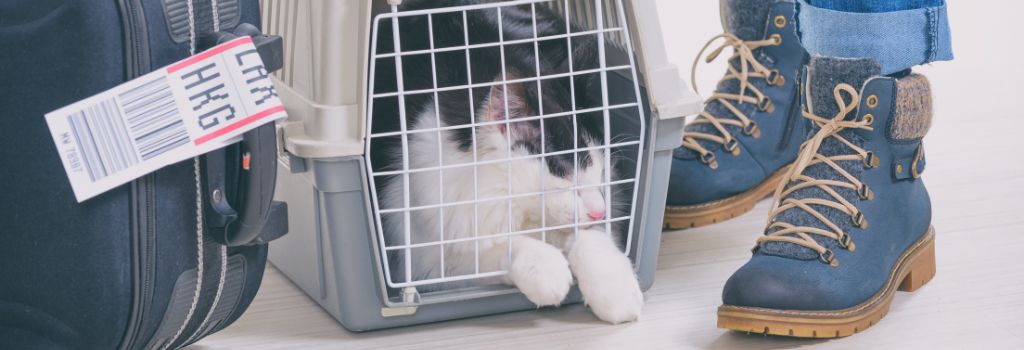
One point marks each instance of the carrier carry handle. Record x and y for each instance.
(239, 180)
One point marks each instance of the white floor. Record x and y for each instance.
(975, 175)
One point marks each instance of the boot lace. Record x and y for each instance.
(796, 180)
(748, 68)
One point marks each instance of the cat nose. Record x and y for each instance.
(596, 214)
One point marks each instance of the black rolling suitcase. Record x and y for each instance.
(145, 265)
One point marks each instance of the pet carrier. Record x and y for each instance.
(347, 98)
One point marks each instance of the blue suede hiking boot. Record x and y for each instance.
(851, 223)
(735, 152)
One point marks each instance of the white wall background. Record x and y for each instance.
(986, 45)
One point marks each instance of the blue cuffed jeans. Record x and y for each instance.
(899, 34)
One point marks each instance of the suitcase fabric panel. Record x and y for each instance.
(64, 51)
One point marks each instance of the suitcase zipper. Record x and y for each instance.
(136, 38)
(792, 117)
(143, 252)
(794, 108)
(136, 46)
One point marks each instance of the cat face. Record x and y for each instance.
(579, 197)
(533, 120)
(571, 173)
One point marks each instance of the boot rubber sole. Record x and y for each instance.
(914, 269)
(697, 215)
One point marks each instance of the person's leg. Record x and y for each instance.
(869, 6)
(851, 223)
(897, 34)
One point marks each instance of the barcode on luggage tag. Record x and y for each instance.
(189, 108)
(111, 141)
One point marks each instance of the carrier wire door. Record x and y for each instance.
(605, 109)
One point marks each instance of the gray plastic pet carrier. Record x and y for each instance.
(335, 53)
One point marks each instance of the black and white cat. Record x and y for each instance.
(542, 270)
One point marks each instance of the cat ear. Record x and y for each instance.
(514, 102)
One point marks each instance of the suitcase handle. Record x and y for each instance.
(239, 179)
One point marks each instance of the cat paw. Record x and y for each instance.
(606, 279)
(542, 274)
(616, 301)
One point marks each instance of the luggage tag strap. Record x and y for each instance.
(239, 180)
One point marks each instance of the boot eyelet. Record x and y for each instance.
(776, 39)
(709, 159)
(871, 161)
(780, 21)
(733, 146)
(868, 119)
(847, 243)
(764, 104)
(775, 78)
(865, 193)
(752, 130)
(872, 101)
(829, 257)
(860, 221)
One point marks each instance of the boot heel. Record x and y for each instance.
(922, 269)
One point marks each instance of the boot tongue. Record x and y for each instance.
(747, 19)
(823, 74)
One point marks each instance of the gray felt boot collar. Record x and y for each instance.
(746, 19)
(825, 73)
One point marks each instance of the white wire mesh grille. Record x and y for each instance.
(421, 224)
(584, 14)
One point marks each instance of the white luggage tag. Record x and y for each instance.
(189, 108)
